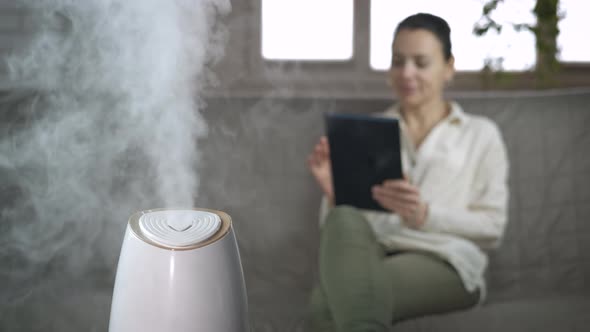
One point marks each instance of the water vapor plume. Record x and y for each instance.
(99, 118)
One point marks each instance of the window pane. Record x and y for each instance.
(307, 29)
(573, 30)
(516, 48)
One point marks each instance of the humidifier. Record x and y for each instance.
(179, 270)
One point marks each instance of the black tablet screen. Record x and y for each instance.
(364, 151)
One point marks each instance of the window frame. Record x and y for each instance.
(355, 78)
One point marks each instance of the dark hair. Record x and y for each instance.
(438, 26)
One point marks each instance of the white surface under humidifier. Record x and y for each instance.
(179, 271)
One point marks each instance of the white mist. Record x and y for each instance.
(100, 118)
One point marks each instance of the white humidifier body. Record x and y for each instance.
(179, 270)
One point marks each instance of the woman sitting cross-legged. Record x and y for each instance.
(425, 255)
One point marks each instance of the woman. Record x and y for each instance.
(425, 256)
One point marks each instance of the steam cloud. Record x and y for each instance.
(100, 119)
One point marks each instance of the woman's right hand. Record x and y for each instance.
(320, 166)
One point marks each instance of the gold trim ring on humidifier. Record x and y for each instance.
(179, 270)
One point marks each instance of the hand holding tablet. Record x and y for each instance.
(319, 164)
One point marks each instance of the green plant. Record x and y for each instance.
(545, 31)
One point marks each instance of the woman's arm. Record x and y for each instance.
(484, 220)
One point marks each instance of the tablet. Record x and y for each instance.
(364, 151)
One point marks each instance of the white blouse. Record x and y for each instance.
(461, 169)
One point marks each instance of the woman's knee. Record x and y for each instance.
(344, 217)
(346, 222)
(343, 213)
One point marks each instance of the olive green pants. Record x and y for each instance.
(362, 288)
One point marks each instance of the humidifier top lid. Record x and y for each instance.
(179, 228)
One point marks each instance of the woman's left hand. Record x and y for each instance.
(403, 198)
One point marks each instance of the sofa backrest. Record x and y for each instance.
(253, 166)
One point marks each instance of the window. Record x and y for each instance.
(572, 31)
(307, 29)
(516, 49)
(345, 45)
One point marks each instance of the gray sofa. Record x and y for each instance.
(539, 280)
(252, 166)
